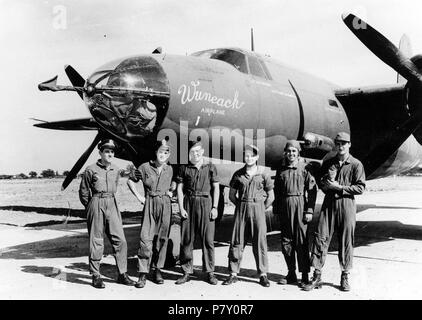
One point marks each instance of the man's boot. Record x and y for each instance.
(185, 278)
(263, 281)
(97, 282)
(230, 280)
(158, 278)
(344, 282)
(124, 279)
(211, 278)
(315, 283)
(141, 281)
(290, 278)
(305, 280)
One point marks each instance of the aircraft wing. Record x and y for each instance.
(74, 124)
(374, 93)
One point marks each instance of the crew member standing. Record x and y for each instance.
(96, 192)
(156, 176)
(198, 194)
(252, 192)
(338, 211)
(297, 190)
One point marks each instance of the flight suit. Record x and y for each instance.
(157, 214)
(297, 191)
(250, 220)
(338, 213)
(96, 192)
(197, 201)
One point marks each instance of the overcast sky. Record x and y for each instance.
(309, 35)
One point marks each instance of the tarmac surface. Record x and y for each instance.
(44, 248)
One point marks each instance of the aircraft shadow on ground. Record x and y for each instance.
(80, 213)
(58, 274)
(76, 245)
(109, 273)
(63, 213)
(131, 217)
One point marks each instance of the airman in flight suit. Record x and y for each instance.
(338, 211)
(251, 190)
(156, 176)
(97, 193)
(297, 190)
(198, 195)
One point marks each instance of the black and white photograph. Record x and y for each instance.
(198, 151)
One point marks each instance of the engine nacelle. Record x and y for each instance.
(317, 141)
(414, 91)
(316, 146)
(414, 97)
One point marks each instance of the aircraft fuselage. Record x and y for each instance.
(236, 93)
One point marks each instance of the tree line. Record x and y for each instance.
(47, 173)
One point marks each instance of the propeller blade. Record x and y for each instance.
(48, 85)
(406, 49)
(75, 78)
(81, 161)
(382, 48)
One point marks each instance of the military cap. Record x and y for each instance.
(162, 145)
(342, 136)
(194, 143)
(292, 143)
(253, 148)
(106, 143)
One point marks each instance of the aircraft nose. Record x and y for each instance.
(130, 96)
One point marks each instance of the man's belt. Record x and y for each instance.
(104, 195)
(198, 194)
(252, 199)
(292, 195)
(337, 196)
(156, 194)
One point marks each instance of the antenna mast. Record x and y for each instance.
(252, 44)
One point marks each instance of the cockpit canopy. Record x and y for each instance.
(243, 61)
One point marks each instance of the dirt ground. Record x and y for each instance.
(44, 247)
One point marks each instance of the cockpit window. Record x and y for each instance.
(235, 58)
(238, 60)
(255, 67)
(264, 67)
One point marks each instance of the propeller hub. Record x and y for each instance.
(90, 90)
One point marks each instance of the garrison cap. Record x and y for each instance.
(253, 148)
(162, 145)
(342, 136)
(106, 143)
(194, 143)
(292, 143)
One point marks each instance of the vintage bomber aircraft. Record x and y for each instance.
(132, 99)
